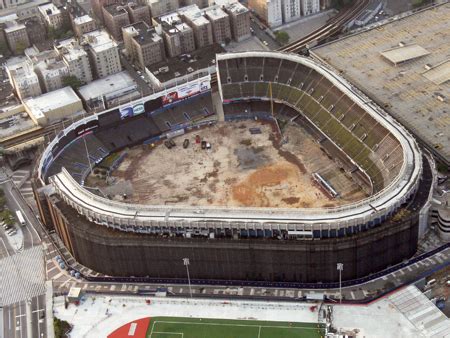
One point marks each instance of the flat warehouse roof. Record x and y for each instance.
(404, 53)
(112, 84)
(417, 92)
(439, 74)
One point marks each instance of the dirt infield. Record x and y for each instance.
(240, 169)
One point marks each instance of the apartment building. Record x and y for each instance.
(25, 81)
(48, 67)
(178, 36)
(199, 3)
(139, 13)
(4, 4)
(76, 59)
(239, 18)
(97, 7)
(291, 10)
(270, 11)
(35, 30)
(103, 53)
(220, 23)
(51, 74)
(201, 26)
(115, 17)
(83, 24)
(161, 7)
(51, 15)
(143, 45)
(310, 6)
(17, 37)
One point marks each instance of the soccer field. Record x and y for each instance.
(171, 327)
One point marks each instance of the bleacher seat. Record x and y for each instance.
(337, 115)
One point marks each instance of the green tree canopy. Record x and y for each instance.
(7, 217)
(71, 81)
(282, 37)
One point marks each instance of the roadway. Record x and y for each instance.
(16, 319)
(144, 88)
(261, 33)
(15, 202)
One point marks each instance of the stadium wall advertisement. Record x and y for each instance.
(144, 105)
(186, 91)
(130, 111)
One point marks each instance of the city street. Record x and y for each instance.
(20, 271)
(144, 88)
(259, 31)
(15, 202)
(15, 318)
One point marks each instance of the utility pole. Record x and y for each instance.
(186, 264)
(340, 268)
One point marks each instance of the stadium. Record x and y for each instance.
(367, 180)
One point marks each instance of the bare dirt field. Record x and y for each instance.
(240, 169)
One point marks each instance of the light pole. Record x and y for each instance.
(186, 264)
(340, 267)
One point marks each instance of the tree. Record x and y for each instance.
(63, 32)
(282, 37)
(61, 327)
(71, 81)
(7, 217)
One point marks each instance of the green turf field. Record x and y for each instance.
(171, 327)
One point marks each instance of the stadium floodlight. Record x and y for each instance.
(186, 264)
(340, 268)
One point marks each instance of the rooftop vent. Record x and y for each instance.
(164, 69)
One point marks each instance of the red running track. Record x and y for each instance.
(135, 329)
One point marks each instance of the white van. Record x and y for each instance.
(431, 282)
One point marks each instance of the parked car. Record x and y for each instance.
(203, 144)
(167, 144)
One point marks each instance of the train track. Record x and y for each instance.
(49, 131)
(333, 27)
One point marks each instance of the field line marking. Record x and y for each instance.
(151, 332)
(243, 325)
(180, 333)
(259, 332)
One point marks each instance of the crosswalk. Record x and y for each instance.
(26, 190)
(21, 179)
(22, 276)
